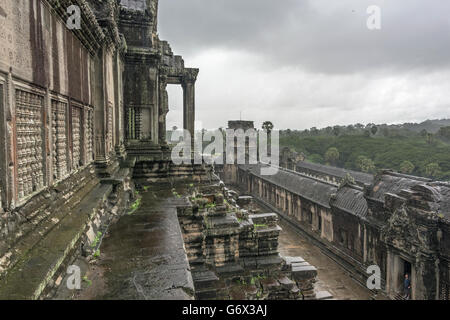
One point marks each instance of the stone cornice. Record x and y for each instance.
(138, 55)
(135, 17)
(91, 34)
(107, 13)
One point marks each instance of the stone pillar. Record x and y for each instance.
(99, 97)
(189, 79)
(163, 109)
(3, 148)
(118, 101)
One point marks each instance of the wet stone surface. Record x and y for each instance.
(142, 255)
(331, 277)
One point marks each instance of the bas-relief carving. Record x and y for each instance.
(76, 137)
(29, 132)
(110, 128)
(89, 134)
(59, 130)
(99, 146)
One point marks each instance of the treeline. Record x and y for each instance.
(373, 147)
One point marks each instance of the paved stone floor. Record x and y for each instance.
(331, 277)
(142, 256)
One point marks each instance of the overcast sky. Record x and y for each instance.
(305, 63)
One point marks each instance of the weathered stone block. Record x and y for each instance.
(304, 273)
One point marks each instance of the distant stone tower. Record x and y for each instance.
(230, 170)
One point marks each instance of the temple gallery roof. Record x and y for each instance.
(437, 194)
(350, 200)
(390, 182)
(363, 178)
(305, 187)
(419, 192)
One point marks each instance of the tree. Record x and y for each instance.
(316, 158)
(407, 167)
(332, 155)
(430, 138)
(374, 130)
(423, 133)
(267, 126)
(351, 128)
(365, 164)
(314, 131)
(336, 130)
(432, 170)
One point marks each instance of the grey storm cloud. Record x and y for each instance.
(314, 58)
(320, 35)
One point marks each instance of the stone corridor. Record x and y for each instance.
(331, 277)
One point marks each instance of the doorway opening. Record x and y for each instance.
(407, 268)
(174, 119)
(404, 268)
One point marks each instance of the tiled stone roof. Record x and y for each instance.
(305, 187)
(360, 177)
(350, 200)
(394, 183)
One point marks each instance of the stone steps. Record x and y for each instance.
(34, 270)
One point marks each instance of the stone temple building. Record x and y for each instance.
(73, 103)
(83, 130)
(398, 222)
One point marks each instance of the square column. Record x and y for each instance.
(188, 83)
(163, 109)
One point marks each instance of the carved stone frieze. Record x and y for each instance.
(59, 138)
(29, 133)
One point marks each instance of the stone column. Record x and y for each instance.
(3, 148)
(163, 109)
(99, 97)
(189, 79)
(118, 101)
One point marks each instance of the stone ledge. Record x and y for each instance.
(30, 276)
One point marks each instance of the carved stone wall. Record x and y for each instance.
(110, 138)
(64, 102)
(29, 142)
(77, 137)
(59, 139)
(89, 134)
(134, 121)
